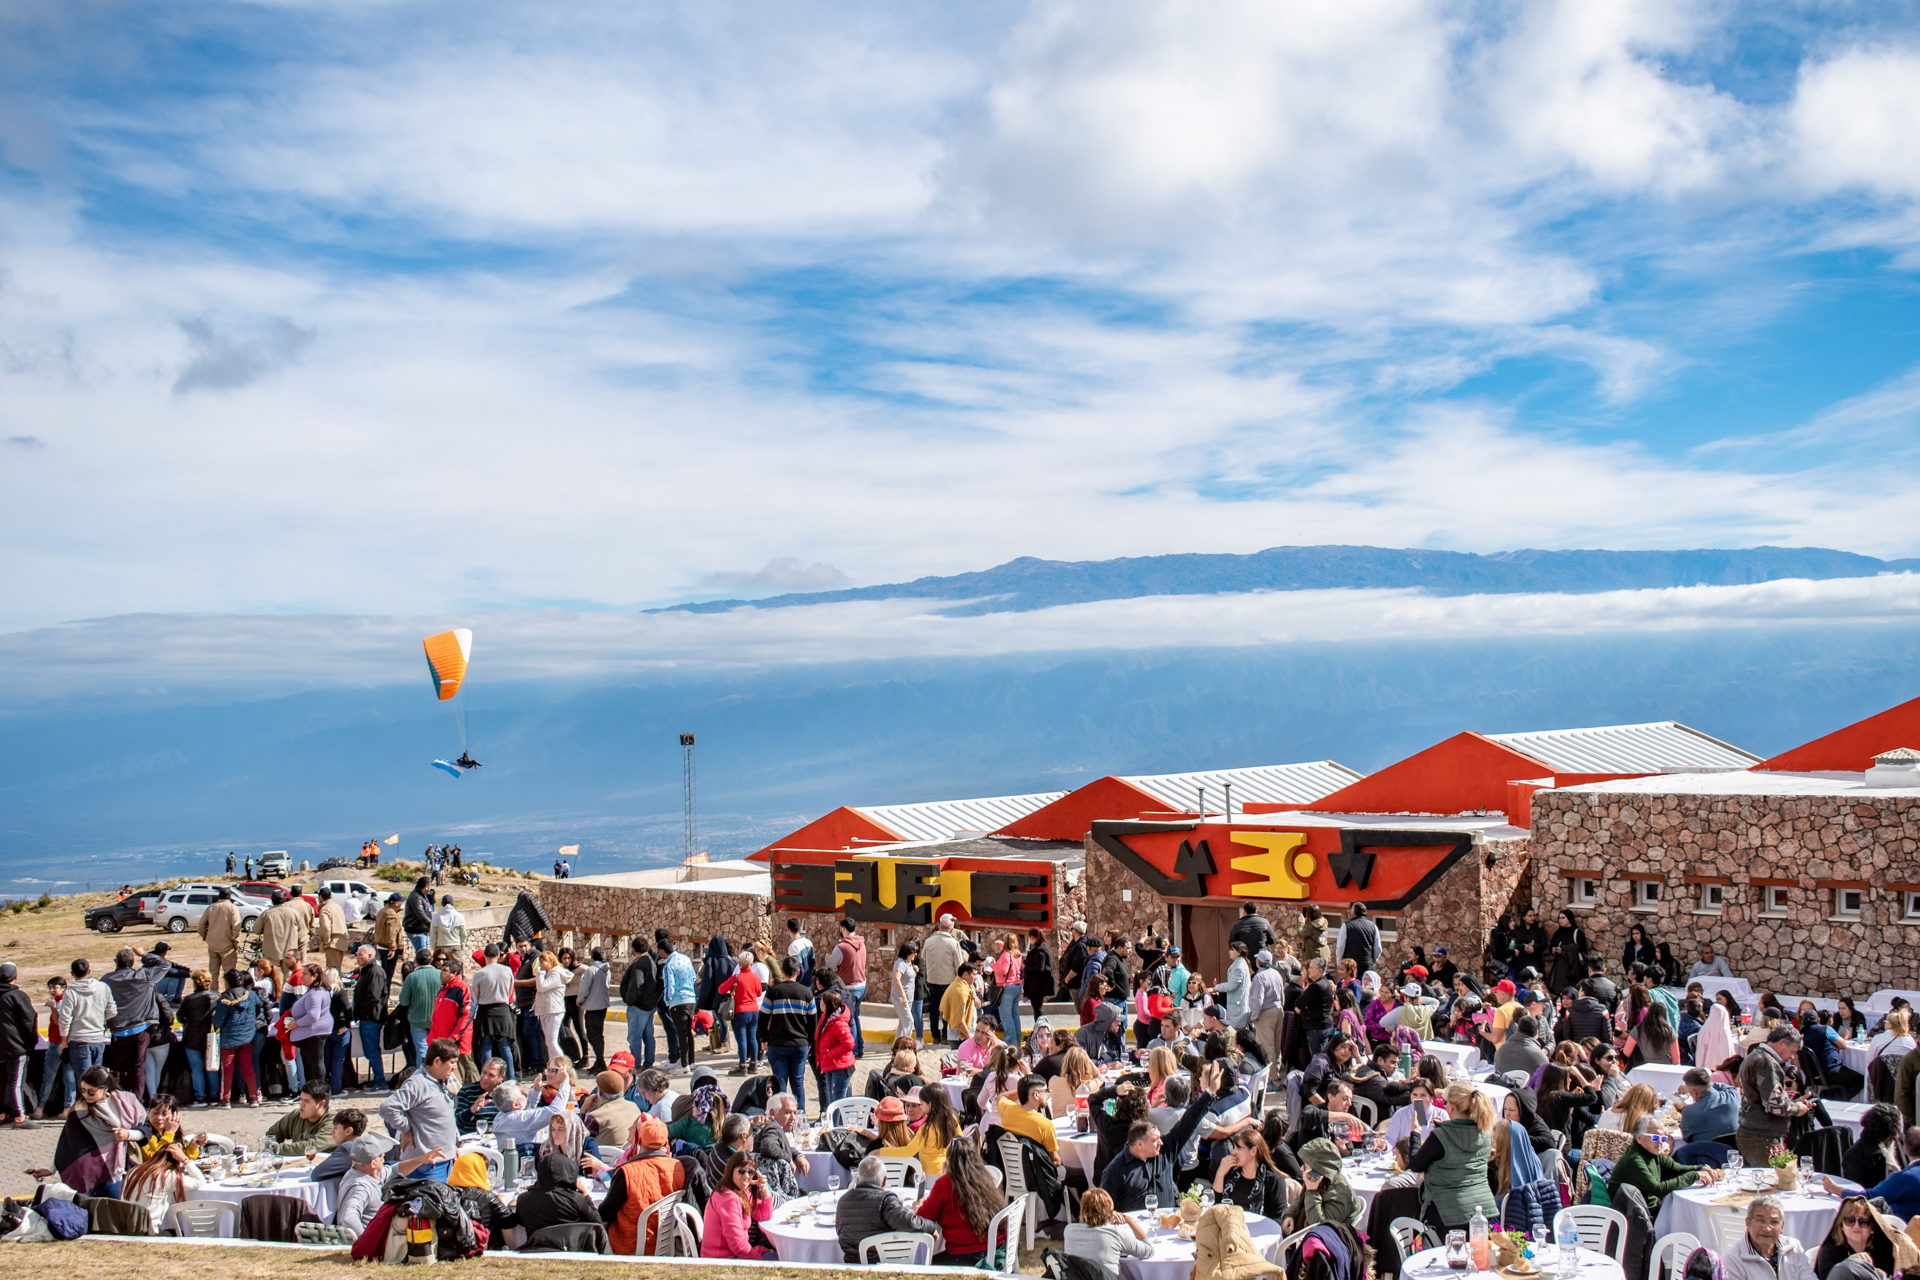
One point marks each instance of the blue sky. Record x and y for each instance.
(407, 308)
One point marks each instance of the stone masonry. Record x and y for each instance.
(1812, 845)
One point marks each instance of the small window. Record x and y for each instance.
(1646, 894)
(1910, 905)
(1713, 897)
(1846, 902)
(1390, 928)
(886, 937)
(1774, 900)
(199, 899)
(1585, 892)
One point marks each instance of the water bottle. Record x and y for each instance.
(1406, 1064)
(1567, 1238)
(1477, 1241)
(509, 1165)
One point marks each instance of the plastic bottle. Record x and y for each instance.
(1567, 1237)
(1477, 1247)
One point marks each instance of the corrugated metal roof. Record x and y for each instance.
(944, 819)
(1661, 747)
(1258, 784)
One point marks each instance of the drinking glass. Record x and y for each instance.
(1542, 1237)
(833, 1183)
(1733, 1167)
(1806, 1171)
(1153, 1210)
(1456, 1251)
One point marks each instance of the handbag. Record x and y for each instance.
(410, 1239)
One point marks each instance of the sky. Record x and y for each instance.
(416, 310)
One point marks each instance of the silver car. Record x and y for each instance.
(182, 910)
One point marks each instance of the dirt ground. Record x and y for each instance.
(157, 1261)
(45, 942)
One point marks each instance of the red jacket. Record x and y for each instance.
(833, 1042)
(745, 986)
(453, 1014)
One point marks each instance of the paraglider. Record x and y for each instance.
(447, 656)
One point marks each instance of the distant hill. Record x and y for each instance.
(1030, 583)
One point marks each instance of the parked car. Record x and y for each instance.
(116, 916)
(370, 898)
(150, 902)
(275, 862)
(337, 864)
(182, 909)
(261, 889)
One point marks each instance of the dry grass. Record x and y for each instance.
(153, 1260)
(43, 943)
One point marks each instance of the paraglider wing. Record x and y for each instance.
(447, 655)
(452, 769)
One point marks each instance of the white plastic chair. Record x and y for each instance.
(851, 1113)
(999, 1179)
(897, 1168)
(213, 1218)
(1364, 1111)
(487, 1152)
(1006, 1224)
(1592, 1222)
(679, 1234)
(659, 1216)
(1670, 1254)
(1729, 1228)
(896, 1248)
(1412, 1235)
(1013, 1161)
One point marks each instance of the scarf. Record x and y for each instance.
(705, 1099)
(1715, 1044)
(1523, 1166)
(470, 1170)
(87, 1153)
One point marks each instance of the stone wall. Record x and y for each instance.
(1810, 841)
(1108, 908)
(1460, 910)
(607, 916)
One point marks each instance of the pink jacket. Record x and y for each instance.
(724, 1234)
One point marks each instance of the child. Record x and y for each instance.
(1402, 1176)
(57, 1063)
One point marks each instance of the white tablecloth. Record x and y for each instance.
(1365, 1174)
(288, 1182)
(1464, 1056)
(1664, 1078)
(807, 1240)
(1173, 1257)
(1858, 1055)
(1846, 1115)
(955, 1086)
(1431, 1264)
(1809, 1212)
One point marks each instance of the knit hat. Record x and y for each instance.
(889, 1109)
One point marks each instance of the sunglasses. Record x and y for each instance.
(1857, 1222)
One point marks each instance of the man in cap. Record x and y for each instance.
(1266, 1001)
(1505, 1008)
(940, 959)
(1177, 975)
(1443, 968)
(611, 1117)
(220, 928)
(363, 1188)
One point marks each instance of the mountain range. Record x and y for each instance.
(1029, 583)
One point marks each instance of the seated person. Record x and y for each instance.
(1417, 1118)
(1024, 1112)
(474, 1102)
(348, 1123)
(555, 1197)
(1371, 1080)
(1329, 1064)
(870, 1209)
(162, 1129)
(363, 1186)
(307, 1127)
(1647, 1165)
(1713, 1112)
(1863, 1244)
(1766, 1251)
(1901, 1190)
(1403, 1174)
(1103, 1236)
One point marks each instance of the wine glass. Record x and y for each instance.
(1806, 1171)
(833, 1183)
(1734, 1163)
(1153, 1207)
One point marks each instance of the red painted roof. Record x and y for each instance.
(844, 828)
(1072, 815)
(1852, 749)
(1466, 771)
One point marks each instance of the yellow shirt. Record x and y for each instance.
(1015, 1118)
(1502, 1015)
(931, 1155)
(958, 1008)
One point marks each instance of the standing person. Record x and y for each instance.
(312, 1027)
(417, 996)
(1318, 1006)
(1036, 973)
(283, 927)
(549, 1001)
(1767, 1105)
(1312, 934)
(594, 1001)
(420, 1112)
(640, 991)
(743, 985)
(370, 1012)
(196, 1020)
(833, 1048)
(493, 1009)
(135, 983)
(229, 862)
(220, 928)
(800, 950)
(901, 988)
(19, 1033)
(533, 1046)
(940, 958)
(1569, 949)
(389, 936)
(717, 966)
(789, 1026)
(849, 960)
(1236, 989)
(1360, 940)
(1010, 975)
(1267, 1001)
(449, 928)
(1252, 928)
(680, 997)
(235, 1018)
(330, 930)
(416, 918)
(56, 1064)
(1073, 964)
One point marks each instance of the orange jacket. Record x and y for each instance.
(646, 1180)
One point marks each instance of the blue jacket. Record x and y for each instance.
(679, 980)
(1715, 1115)
(1902, 1191)
(235, 1021)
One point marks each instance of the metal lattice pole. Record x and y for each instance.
(693, 820)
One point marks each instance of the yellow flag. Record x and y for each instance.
(569, 850)
(393, 839)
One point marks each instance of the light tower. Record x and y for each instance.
(693, 821)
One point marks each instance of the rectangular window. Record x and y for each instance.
(1713, 897)
(1774, 900)
(1585, 892)
(1646, 894)
(1910, 905)
(1846, 903)
(1390, 928)
(886, 937)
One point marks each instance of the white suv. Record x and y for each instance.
(150, 902)
(182, 909)
(275, 865)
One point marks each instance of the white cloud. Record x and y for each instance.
(1854, 117)
(179, 654)
(782, 573)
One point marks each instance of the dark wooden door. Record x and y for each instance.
(1205, 931)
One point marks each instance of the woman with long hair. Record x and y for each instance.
(1455, 1160)
(928, 1143)
(963, 1201)
(1036, 972)
(1096, 992)
(1348, 1022)
(549, 1000)
(1249, 1178)
(1640, 949)
(1160, 1064)
(164, 1180)
(1858, 1228)
(196, 1020)
(700, 1127)
(236, 1020)
(269, 984)
(1636, 1104)
(1077, 1069)
(742, 1197)
(567, 1134)
(312, 1024)
(1894, 1040)
(833, 1047)
(1654, 1039)
(571, 1017)
(1569, 948)
(91, 1154)
(1010, 975)
(1001, 1076)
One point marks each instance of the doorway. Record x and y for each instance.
(1205, 932)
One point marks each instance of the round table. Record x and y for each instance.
(1858, 1055)
(290, 1181)
(804, 1239)
(1431, 1264)
(1078, 1150)
(955, 1086)
(1366, 1173)
(1173, 1257)
(1463, 1056)
(1809, 1211)
(1663, 1077)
